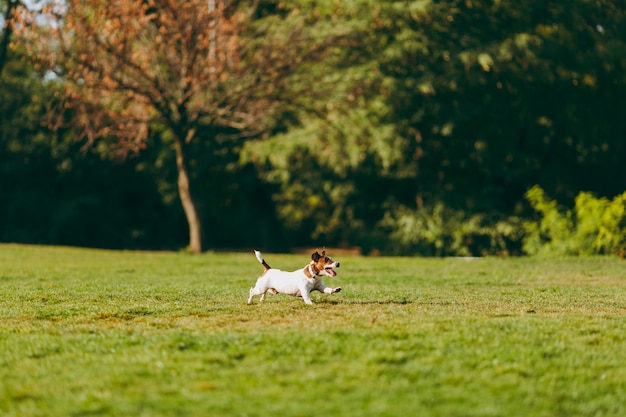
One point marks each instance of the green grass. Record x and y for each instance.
(106, 333)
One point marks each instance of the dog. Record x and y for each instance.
(298, 283)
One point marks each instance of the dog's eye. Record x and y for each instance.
(327, 259)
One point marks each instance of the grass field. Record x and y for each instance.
(105, 333)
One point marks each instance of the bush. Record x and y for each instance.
(441, 231)
(595, 226)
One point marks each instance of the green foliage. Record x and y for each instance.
(109, 333)
(596, 226)
(463, 90)
(460, 103)
(54, 192)
(601, 223)
(553, 233)
(442, 231)
(418, 130)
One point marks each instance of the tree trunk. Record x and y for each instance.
(6, 33)
(189, 206)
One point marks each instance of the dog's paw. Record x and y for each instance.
(338, 289)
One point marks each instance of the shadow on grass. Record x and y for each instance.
(365, 302)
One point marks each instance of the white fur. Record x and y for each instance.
(294, 283)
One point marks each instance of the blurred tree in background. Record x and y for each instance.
(454, 109)
(52, 191)
(407, 127)
(7, 10)
(188, 72)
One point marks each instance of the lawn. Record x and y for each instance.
(113, 333)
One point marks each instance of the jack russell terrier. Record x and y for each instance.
(298, 283)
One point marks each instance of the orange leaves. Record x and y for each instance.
(132, 62)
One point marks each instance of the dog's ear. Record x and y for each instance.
(324, 251)
(315, 256)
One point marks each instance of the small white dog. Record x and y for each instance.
(298, 283)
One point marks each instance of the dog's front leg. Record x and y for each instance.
(306, 297)
(328, 290)
(321, 287)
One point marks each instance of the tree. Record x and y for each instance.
(8, 9)
(463, 105)
(190, 71)
(494, 97)
(331, 167)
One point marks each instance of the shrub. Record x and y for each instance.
(441, 231)
(595, 226)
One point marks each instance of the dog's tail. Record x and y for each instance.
(261, 260)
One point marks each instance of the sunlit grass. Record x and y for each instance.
(86, 332)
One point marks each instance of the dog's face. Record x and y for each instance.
(324, 264)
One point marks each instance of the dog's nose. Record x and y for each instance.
(337, 265)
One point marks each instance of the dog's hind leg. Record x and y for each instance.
(270, 290)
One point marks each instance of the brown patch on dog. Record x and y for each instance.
(319, 263)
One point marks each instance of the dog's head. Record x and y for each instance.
(323, 264)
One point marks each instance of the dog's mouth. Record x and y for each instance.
(330, 271)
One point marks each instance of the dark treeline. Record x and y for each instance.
(418, 130)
